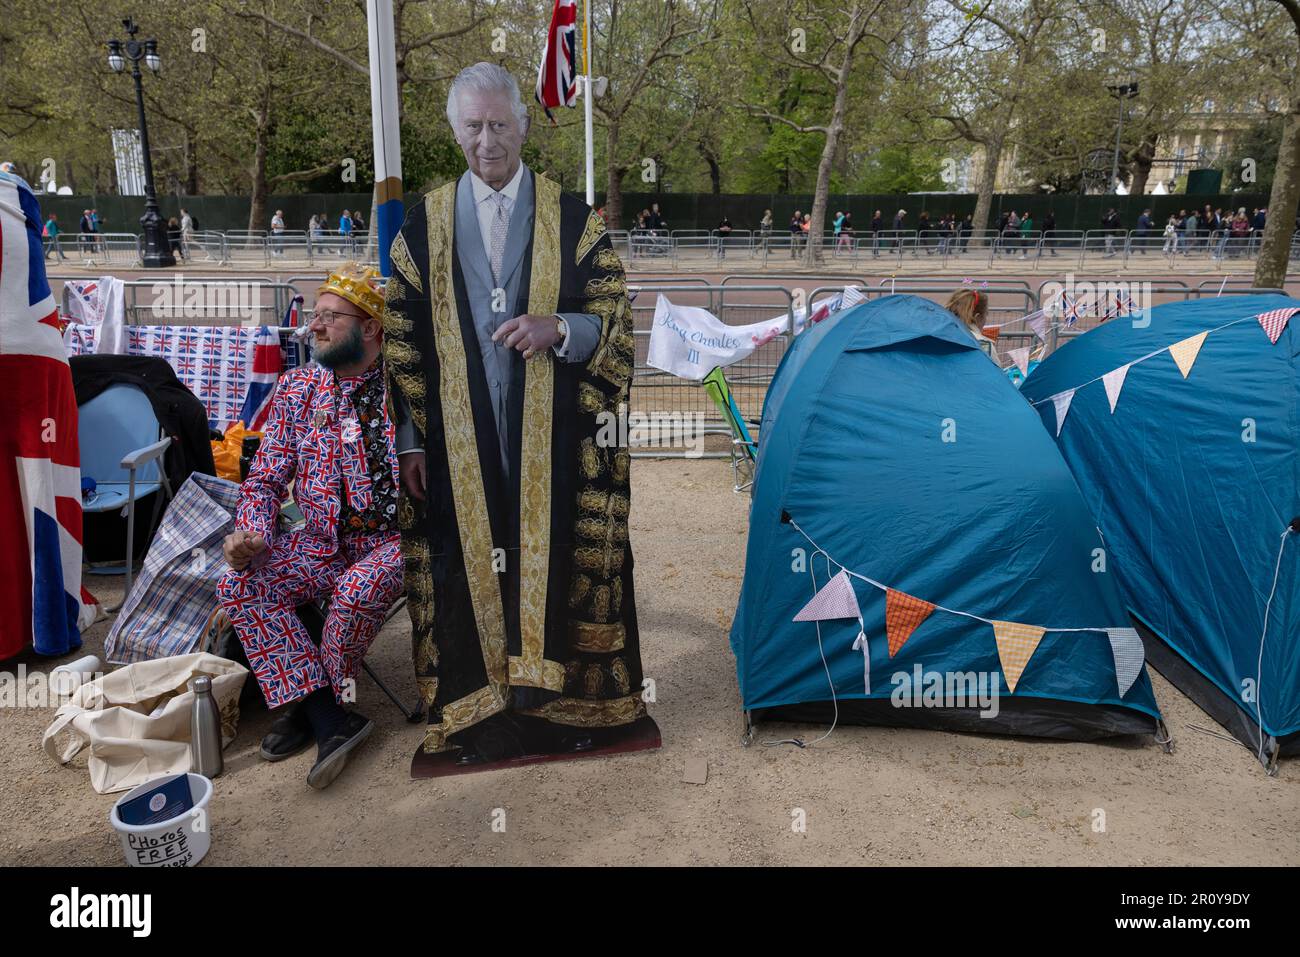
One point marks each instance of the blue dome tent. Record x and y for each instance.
(901, 475)
(1191, 472)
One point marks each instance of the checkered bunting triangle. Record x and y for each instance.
(1016, 645)
(1275, 320)
(1185, 352)
(835, 599)
(1126, 648)
(903, 615)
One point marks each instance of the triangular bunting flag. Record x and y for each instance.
(1126, 648)
(1016, 645)
(1021, 358)
(1039, 324)
(1185, 352)
(1062, 403)
(1275, 320)
(903, 614)
(1114, 382)
(836, 599)
(992, 332)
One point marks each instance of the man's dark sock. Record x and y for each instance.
(324, 713)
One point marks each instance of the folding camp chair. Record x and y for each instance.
(744, 448)
(313, 616)
(121, 445)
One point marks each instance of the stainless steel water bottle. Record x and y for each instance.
(205, 730)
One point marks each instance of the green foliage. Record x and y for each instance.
(1256, 147)
(900, 169)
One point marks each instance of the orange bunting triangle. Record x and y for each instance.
(903, 615)
(1016, 645)
(992, 332)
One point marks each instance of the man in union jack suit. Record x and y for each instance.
(329, 433)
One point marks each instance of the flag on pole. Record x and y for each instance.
(557, 78)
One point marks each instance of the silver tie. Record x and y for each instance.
(500, 222)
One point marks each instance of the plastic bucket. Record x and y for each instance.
(180, 841)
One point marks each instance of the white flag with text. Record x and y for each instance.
(691, 342)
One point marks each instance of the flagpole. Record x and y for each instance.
(386, 128)
(591, 156)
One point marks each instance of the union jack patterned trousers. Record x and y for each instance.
(362, 576)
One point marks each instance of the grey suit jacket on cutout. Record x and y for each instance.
(584, 329)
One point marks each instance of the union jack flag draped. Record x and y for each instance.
(557, 83)
(264, 371)
(41, 596)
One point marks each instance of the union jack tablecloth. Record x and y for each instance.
(214, 362)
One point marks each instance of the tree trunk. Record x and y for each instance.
(984, 195)
(1275, 248)
(817, 226)
(191, 167)
(834, 130)
(715, 171)
(257, 207)
(69, 180)
(1141, 165)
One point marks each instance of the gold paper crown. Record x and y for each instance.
(359, 285)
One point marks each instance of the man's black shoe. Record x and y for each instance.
(332, 756)
(498, 738)
(289, 734)
(577, 743)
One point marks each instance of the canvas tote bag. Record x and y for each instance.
(136, 720)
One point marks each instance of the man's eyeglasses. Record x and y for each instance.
(326, 317)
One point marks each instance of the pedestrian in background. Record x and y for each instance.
(51, 232)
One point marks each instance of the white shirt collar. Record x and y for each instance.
(483, 191)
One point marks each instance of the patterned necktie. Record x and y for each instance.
(500, 221)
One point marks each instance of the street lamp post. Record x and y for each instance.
(1121, 92)
(157, 245)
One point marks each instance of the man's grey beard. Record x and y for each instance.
(346, 353)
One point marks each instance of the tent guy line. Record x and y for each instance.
(835, 702)
(952, 611)
(1259, 665)
(1149, 355)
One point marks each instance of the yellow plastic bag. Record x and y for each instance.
(226, 453)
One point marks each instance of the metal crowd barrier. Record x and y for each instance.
(206, 245)
(621, 240)
(178, 299)
(738, 241)
(96, 249)
(693, 243)
(650, 244)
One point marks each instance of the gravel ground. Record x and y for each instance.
(869, 795)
